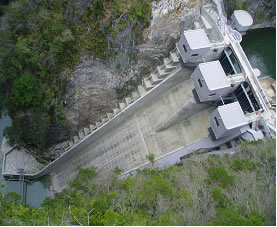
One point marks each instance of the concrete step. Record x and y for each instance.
(175, 49)
(154, 79)
(116, 111)
(168, 67)
(110, 115)
(128, 100)
(98, 124)
(81, 134)
(161, 73)
(176, 52)
(66, 145)
(122, 105)
(147, 85)
(167, 60)
(71, 143)
(92, 127)
(223, 146)
(174, 57)
(87, 131)
(197, 25)
(135, 95)
(76, 139)
(104, 119)
(141, 90)
(234, 143)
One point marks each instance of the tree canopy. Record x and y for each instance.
(207, 192)
(40, 43)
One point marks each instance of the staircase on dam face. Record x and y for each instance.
(170, 63)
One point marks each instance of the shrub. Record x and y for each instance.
(114, 218)
(151, 158)
(32, 127)
(239, 164)
(220, 176)
(82, 181)
(25, 92)
(128, 183)
(218, 197)
(140, 10)
(230, 216)
(260, 15)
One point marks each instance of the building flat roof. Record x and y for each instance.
(232, 115)
(243, 18)
(197, 39)
(214, 75)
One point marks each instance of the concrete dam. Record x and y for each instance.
(205, 96)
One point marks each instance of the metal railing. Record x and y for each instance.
(260, 91)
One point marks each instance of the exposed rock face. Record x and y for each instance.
(91, 92)
(169, 18)
(76, 9)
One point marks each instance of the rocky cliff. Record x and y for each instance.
(96, 84)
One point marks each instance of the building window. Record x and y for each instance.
(185, 49)
(194, 55)
(211, 95)
(199, 81)
(216, 121)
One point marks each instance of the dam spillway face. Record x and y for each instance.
(170, 63)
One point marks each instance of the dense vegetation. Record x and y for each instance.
(40, 42)
(231, 190)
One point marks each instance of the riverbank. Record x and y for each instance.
(18, 158)
(265, 25)
(37, 190)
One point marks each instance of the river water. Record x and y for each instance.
(259, 46)
(35, 191)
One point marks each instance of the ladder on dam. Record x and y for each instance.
(22, 192)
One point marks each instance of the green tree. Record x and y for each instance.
(83, 180)
(174, 196)
(117, 170)
(26, 92)
(151, 158)
(219, 175)
(230, 216)
(218, 197)
(31, 127)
